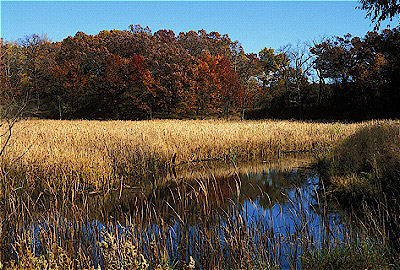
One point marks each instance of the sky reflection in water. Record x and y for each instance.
(219, 216)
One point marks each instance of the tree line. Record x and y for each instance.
(138, 74)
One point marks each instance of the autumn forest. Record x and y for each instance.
(137, 74)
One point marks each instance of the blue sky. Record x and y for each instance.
(255, 24)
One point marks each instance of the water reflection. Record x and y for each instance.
(206, 189)
(226, 216)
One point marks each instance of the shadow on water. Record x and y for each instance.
(215, 216)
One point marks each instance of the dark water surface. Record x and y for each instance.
(224, 216)
(266, 214)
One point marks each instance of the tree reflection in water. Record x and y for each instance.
(221, 215)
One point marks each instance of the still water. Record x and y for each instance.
(221, 216)
(262, 213)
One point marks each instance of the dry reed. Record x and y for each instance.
(202, 222)
(48, 166)
(100, 152)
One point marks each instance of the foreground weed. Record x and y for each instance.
(354, 256)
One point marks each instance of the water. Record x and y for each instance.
(269, 215)
(221, 215)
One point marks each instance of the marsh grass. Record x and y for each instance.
(356, 255)
(197, 223)
(69, 186)
(362, 177)
(99, 154)
(366, 163)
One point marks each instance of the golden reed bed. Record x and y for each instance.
(99, 152)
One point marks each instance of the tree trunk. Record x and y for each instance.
(59, 108)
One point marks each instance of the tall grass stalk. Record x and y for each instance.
(52, 210)
(97, 154)
(201, 223)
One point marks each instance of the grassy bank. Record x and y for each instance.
(362, 177)
(97, 153)
(366, 161)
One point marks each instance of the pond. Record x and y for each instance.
(206, 216)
